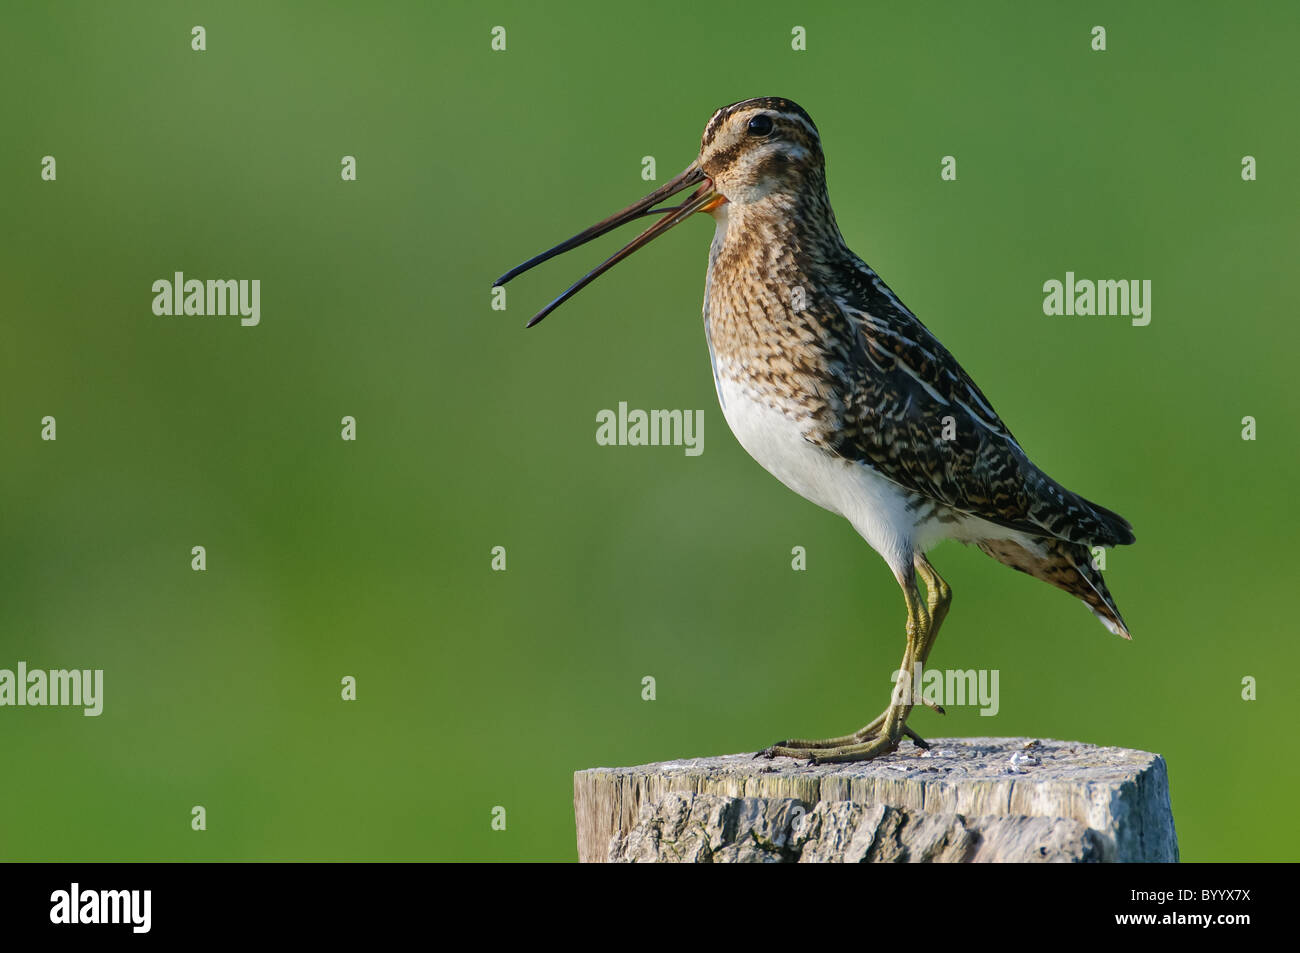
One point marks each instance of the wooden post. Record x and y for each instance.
(966, 799)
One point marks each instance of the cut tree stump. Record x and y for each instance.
(964, 800)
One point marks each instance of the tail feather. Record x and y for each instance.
(1119, 530)
(1065, 565)
(1067, 515)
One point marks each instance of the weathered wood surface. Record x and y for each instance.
(964, 800)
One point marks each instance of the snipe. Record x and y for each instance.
(836, 389)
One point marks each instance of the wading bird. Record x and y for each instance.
(837, 390)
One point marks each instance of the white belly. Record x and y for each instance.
(875, 506)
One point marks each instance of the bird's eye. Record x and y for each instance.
(760, 126)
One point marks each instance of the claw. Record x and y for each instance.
(882, 735)
(916, 739)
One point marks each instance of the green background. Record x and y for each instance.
(480, 688)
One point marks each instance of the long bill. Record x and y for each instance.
(702, 199)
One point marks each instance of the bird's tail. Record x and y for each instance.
(1117, 530)
(1084, 520)
(1067, 566)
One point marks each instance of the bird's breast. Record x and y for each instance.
(767, 357)
(775, 436)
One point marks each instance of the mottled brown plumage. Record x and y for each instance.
(837, 389)
(875, 386)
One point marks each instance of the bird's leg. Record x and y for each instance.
(882, 734)
(938, 596)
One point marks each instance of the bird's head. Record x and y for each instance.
(752, 152)
(761, 149)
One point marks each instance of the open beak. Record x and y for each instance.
(703, 199)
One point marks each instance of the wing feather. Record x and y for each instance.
(915, 416)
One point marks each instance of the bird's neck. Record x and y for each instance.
(770, 268)
(781, 234)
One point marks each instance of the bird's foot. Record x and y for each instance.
(879, 737)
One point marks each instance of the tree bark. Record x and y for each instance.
(964, 800)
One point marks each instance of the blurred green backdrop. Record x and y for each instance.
(479, 688)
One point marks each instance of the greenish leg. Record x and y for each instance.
(882, 735)
(938, 597)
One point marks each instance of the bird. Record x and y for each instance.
(839, 391)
